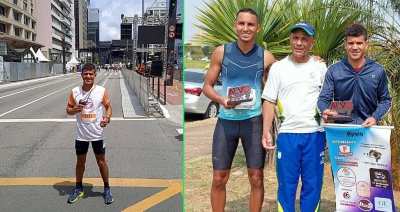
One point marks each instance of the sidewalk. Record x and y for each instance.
(173, 109)
(174, 92)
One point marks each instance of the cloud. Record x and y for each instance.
(110, 15)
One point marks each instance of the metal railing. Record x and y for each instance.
(140, 86)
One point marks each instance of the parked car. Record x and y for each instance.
(205, 59)
(195, 100)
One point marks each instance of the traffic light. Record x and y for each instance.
(178, 32)
(173, 3)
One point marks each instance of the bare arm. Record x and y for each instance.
(211, 77)
(108, 114)
(268, 110)
(72, 107)
(72, 110)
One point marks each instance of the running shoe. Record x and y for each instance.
(76, 193)
(108, 198)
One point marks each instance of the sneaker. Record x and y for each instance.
(76, 193)
(108, 198)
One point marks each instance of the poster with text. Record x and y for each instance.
(361, 167)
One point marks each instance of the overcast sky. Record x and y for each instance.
(110, 14)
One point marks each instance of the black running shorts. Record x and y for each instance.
(226, 140)
(99, 147)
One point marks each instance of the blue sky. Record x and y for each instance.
(110, 14)
(189, 12)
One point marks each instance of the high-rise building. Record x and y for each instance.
(93, 26)
(18, 30)
(81, 22)
(54, 23)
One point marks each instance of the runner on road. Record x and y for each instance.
(86, 102)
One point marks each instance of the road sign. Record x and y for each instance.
(171, 28)
(171, 34)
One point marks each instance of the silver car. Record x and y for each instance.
(195, 100)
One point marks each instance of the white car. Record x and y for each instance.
(195, 100)
(205, 59)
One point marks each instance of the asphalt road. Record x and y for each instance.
(37, 155)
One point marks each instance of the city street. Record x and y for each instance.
(37, 154)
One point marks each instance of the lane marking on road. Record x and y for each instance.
(31, 88)
(1, 97)
(3, 114)
(173, 187)
(180, 131)
(106, 80)
(69, 120)
(155, 199)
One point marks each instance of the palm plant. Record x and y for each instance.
(391, 62)
(218, 17)
(329, 18)
(387, 52)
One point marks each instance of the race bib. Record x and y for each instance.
(88, 116)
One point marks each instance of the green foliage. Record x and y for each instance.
(207, 50)
(329, 18)
(195, 51)
(195, 64)
(219, 16)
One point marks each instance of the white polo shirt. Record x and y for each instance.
(295, 87)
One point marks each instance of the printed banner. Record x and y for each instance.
(361, 167)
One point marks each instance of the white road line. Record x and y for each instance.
(31, 88)
(68, 120)
(3, 114)
(36, 100)
(180, 131)
(106, 80)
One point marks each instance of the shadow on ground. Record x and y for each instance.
(65, 189)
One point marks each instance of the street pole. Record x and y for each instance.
(63, 54)
(171, 38)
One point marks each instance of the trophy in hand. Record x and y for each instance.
(344, 110)
(239, 94)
